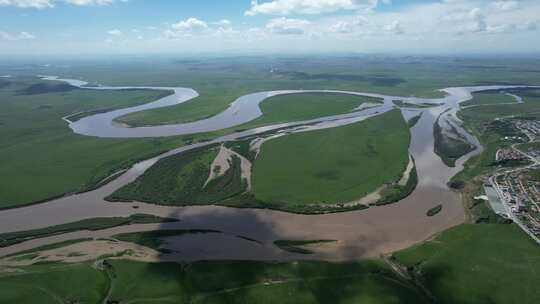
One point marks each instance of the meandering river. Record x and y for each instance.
(249, 233)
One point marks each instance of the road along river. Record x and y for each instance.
(249, 233)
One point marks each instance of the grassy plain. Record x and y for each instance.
(369, 282)
(68, 163)
(279, 109)
(305, 106)
(54, 283)
(480, 264)
(221, 80)
(180, 180)
(334, 165)
(489, 98)
(42, 158)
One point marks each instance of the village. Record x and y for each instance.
(514, 192)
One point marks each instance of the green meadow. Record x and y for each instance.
(370, 282)
(334, 165)
(480, 264)
(43, 158)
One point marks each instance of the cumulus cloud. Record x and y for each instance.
(287, 7)
(186, 27)
(190, 25)
(41, 4)
(19, 36)
(287, 26)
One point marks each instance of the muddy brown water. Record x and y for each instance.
(248, 234)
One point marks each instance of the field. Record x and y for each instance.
(489, 98)
(78, 283)
(486, 263)
(42, 158)
(363, 147)
(221, 80)
(305, 106)
(69, 163)
(210, 282)
(334, 165)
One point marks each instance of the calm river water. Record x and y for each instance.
(363, 233)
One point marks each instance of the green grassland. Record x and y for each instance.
(478, 264)
(276, 109)
(42, 158)
(67, 163)
(334, 165)
(180, 180)
(489, 98)
(369, 282)
(222, 80)
(305, 106)
(57, 283)
(347, 165)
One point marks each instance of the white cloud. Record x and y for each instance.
(287, 7)
(395, 27)
(223, 22)
(505, 5)
(41, 4)
(186, 27)
(287, 26)
(478, 21)
(19, 36)
(89, 2)
(190, 25)
(347, 26)
(115, 32)
(28, 3)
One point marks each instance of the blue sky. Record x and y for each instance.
(41, 27)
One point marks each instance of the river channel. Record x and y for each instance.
(248, 234)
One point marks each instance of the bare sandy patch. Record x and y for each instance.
(83, 251)
(407, 173)
(220, 165)
(223, 162)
